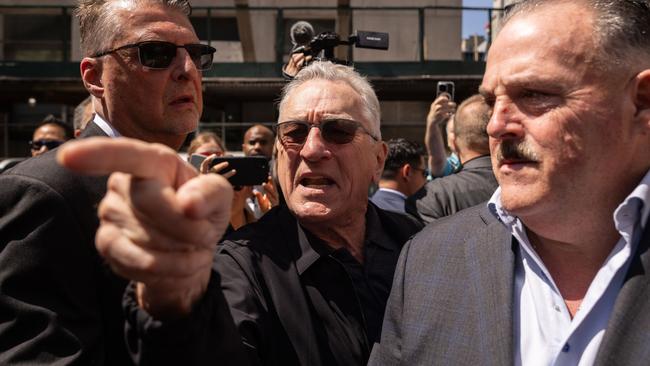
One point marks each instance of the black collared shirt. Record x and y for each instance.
(348, 298)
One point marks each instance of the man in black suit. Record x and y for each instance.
(555, 270)
(475, 182)
(60, 302)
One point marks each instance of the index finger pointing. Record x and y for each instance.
(103, 155)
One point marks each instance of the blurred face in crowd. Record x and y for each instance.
(49, 134)
(326, 182)
(562, 133)
(155, 105)
(258, 141)
(208, 148)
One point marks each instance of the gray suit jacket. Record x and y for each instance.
(444, 196)
(451, 301)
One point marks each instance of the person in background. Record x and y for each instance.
(206, 144)
(440, 164)
(210, 145)
(258, 141)
(404, 174)
(474, 182)
(48, 135)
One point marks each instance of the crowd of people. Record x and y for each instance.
(528, 245)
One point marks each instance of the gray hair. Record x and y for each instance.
(82, 113)
(325, 70)
(621, 28)
(99, 24)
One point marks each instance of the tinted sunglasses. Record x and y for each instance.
(50, 144)
(160, 54)
(425, 172)
(293, 134)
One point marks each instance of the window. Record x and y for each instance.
(36, 37)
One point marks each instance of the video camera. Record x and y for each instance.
(321, 47)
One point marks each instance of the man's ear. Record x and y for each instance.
(642, 99)
(381, 151)
(91, 75)
(406, 171)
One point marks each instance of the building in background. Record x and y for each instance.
(39, 54)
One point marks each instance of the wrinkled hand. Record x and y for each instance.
(441, 109)
(269, 198)
(159, 221)
(217, 168)
(296, 62)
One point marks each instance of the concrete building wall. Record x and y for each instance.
(442, 28)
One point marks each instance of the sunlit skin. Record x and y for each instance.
(151, 105)
(582, 125)
(326, 185)
(47, 132)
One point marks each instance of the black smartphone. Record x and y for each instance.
(445, 87)
(251, 170)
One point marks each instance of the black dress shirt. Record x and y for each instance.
(293, 300)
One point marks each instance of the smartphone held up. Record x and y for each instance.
(250, 170)
(445, 87)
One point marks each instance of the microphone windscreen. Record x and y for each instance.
(301, 33)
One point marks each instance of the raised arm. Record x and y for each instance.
(439, 112)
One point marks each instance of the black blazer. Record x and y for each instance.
(59, 303)
(445, 196)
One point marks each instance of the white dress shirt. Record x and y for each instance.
(105, 126)
(544, 333)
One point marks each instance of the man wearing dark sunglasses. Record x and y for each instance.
(61, 304)
(49, 134)
(305, 285)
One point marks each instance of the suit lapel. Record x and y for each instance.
(628, 330)
(494, 276)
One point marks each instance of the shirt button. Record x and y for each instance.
(566, 348)
(556, 308)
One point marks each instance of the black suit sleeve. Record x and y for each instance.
(49, 306)
(224, 328)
